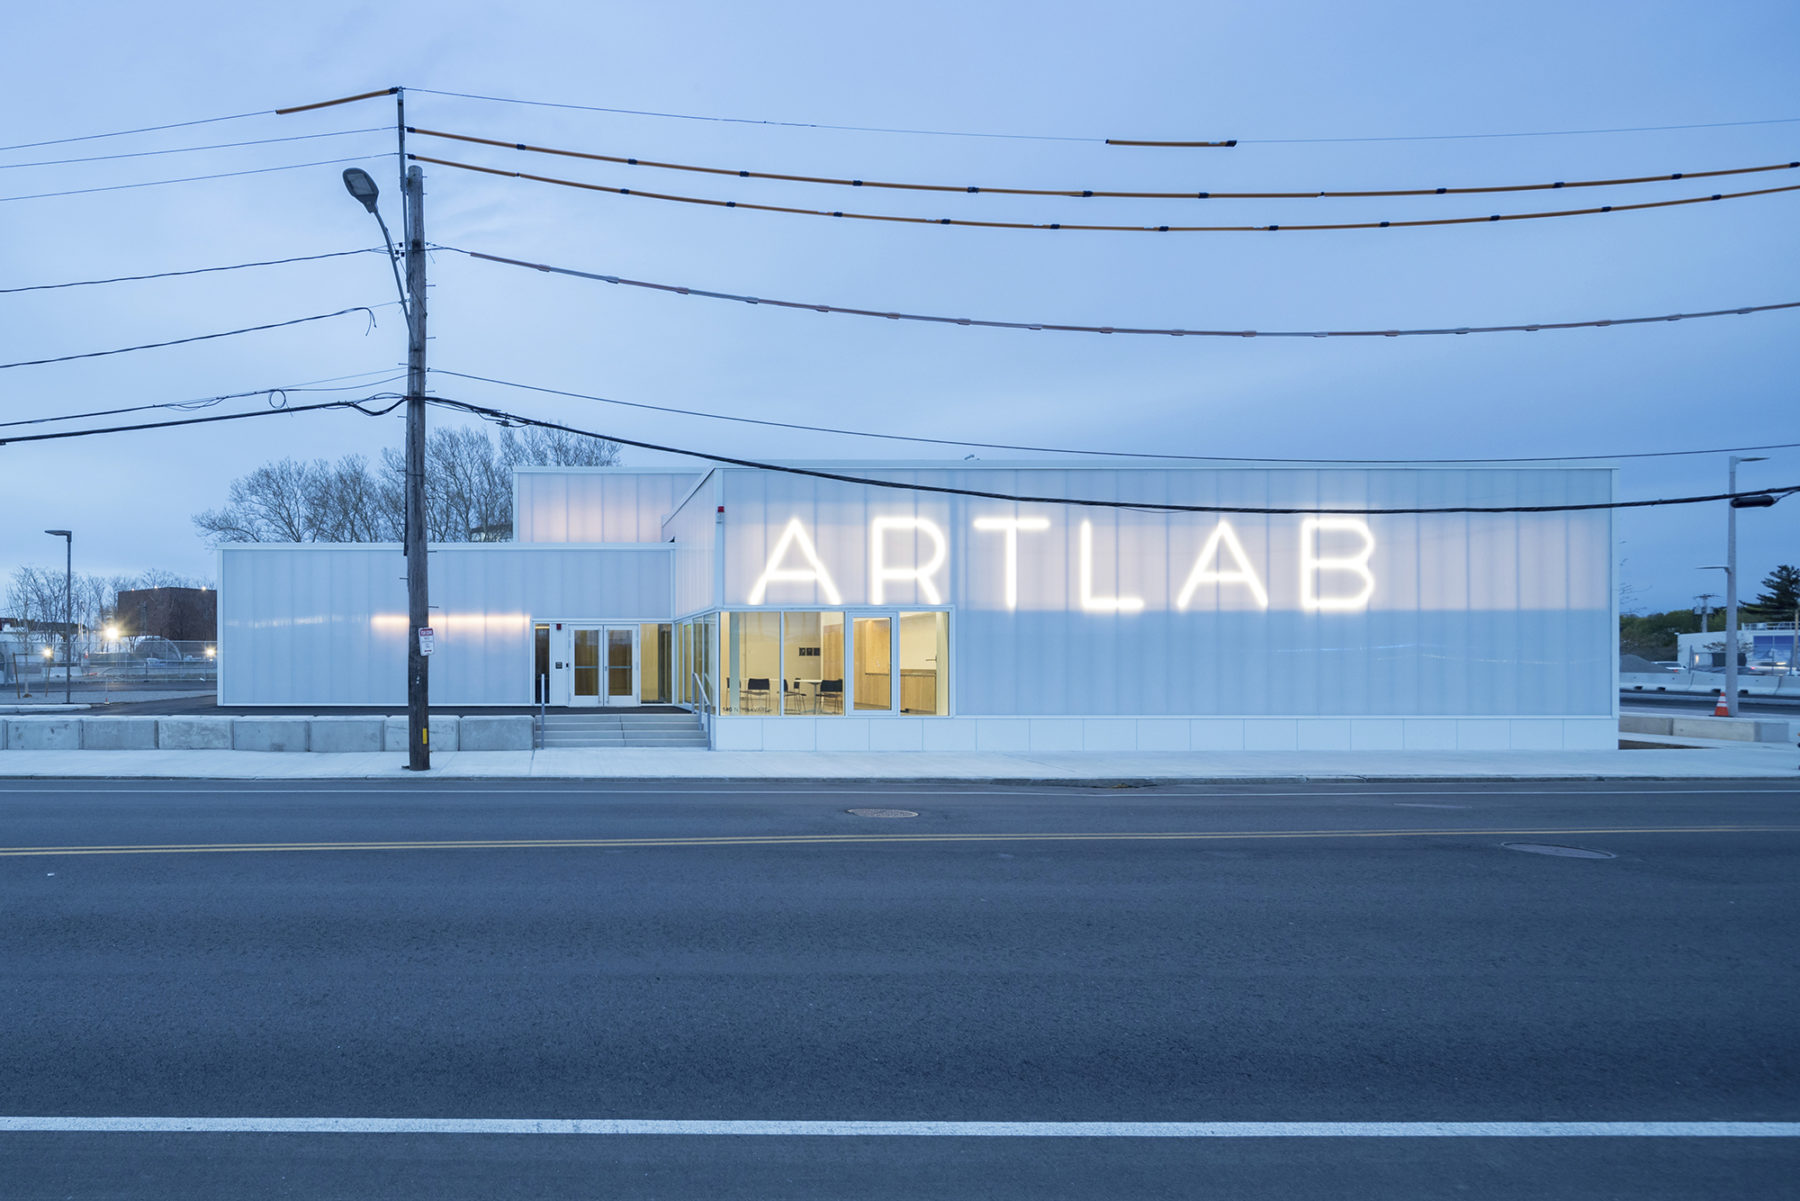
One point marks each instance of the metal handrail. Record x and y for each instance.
(704, 709)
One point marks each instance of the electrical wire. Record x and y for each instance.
(1095, 192)
(638, 112)
(1534, 133)
(890, 315)
(121, 279)
(1342, 225)
(157, 183)
(249, 329)
(961, 443)
(163, 425)
(120, 133)
(504, 417)
(958, 133)
(206, 402)
(103, 158)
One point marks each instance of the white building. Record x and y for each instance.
(812, 613)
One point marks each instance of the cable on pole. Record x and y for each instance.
(1032, 137)
(122, 279)
(307, 108)
(163, 425)
(249, 329)
(1172, 332)
(1062, 225)
(501, 415)
(963, 443)
(157, 183)
(1084, 193)
(106, 158)
(277, 397)
(121, 133)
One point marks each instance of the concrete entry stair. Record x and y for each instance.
(623, 728)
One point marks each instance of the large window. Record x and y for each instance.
(806, 662)
(654, 647)
(924, 653)
(873, 674)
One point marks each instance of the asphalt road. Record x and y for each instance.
(1697, 705)
(720, 953)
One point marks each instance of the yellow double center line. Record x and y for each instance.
(778, 840)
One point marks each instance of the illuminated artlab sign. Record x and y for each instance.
(1332, 572)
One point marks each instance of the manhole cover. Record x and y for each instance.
(1545, 848)
(882, 812)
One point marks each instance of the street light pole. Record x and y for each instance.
(68, 538)
(418, 609)
(1731, 576)
(412, 300)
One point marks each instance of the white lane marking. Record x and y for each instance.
(861, 1129)
(1074, 791)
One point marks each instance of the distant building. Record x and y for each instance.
(178, 614)
(1768, 645)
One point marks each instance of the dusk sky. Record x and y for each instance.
(1320, 96)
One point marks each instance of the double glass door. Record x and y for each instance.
(600, 665)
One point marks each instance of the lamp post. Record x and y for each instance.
(1731, 598)
(412, 302)
(68, 605)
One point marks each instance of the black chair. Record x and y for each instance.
(831, 696)
(757, 687)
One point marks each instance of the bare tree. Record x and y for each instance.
(468, 490)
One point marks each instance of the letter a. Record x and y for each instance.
(1241, 573)
(813, 573)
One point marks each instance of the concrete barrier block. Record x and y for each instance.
(118, 733)
(1733, 729)
(346, 735)
(495, 733)
(43, 734)
(443, 729)
(270, 733)
(193, 733)
(1646, 723)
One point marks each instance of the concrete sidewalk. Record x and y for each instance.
(1719, 760)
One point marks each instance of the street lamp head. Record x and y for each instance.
(359, 185)
(59, 533)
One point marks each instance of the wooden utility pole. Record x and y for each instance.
(418, 608)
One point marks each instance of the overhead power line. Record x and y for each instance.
(120, 133)
(1038, 137)
(972, 189)
(157, 183)
(1184, 229)
(502, 416)
(963, 443)
(244, 416)
(277, 398)
(249, 329)
(1173, 332)
(103, 158)
(122, 279)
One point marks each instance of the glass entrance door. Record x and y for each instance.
(621, 666)
(585, 666)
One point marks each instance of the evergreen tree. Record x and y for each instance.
(1780, 595)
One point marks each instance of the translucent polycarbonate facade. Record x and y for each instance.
(326, 625)
(615, 504)
(919, 616)
(1074, 610)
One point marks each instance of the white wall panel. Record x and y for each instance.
(327, 625)
(693, 528)
(595, 504)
